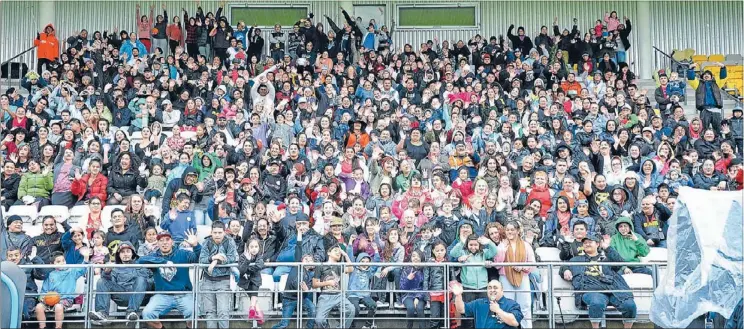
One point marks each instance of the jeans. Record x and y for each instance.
(160, 305)
(327, 302)
(277, 55)
(288, 308)
(149, 194)
(639, 270)
(218, 304)
(413, 312)
(437, 315)
(524, 299)
(620, 57)
(279, 271)
(371, 306)
(205, 51)
(598, 302)
(105, 287)
(380, 284)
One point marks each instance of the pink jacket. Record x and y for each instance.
(501, 256)
(144, 28)
(612, 23)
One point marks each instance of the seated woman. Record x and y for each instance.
(91, 184)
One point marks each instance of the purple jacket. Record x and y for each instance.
(416, 284)
(350, 184)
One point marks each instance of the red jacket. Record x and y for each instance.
(98, 189)
(542, 194)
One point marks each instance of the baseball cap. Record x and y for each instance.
(164, 234)
(592, 236)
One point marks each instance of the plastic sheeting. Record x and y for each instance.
(705, 258)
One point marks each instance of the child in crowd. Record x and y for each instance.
(369, 239)
(434, 281)
(582, 213)
(360, 283)
(155, 184)
(425, 240)
(100, 252)
(387, 221)
(447, 223)
(250, 266)
(392, 252)
(150, 244)
(72, 243)
(63, 282)
(179, 220)
(412, 281)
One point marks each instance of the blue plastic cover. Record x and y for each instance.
(705, 258)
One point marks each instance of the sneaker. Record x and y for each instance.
(132, 317)
(98, 318)
(260, 317)
(252, 313)
(398, 305)
(381, 304)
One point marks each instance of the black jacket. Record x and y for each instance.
(179, 185)
(293, 281)
(48, 244)
(524, 44)
(10, 187)
(652, 227)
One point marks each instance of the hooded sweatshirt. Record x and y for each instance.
(126, 276)
(172, 278)
(47, 44)
(627, 248)
(360, 279)
(178, 186)
(474, 277)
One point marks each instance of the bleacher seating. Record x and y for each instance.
(716, 58)
(27, 212)
(58, 212)
(78, 214)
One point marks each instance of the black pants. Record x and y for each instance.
(222, 54)
(41, 62)
(711, 118)
(173, 44)
(437, 315)
(192, 49)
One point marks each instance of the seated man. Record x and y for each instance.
(121, 279)
(171, 279)
(495, 312)
(630, 246)
(600, 278)
(650, 222)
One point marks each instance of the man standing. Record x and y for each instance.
(47, 49)
(495, 312)
(708, 98)
(217, 251)
(121, 279)
(171, 279)
(600, 278)
(328, 279)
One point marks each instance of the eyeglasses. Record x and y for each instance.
(95, 203)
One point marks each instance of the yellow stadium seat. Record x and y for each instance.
(716, 70)
(716, 58)
(734, 69)
(699, 58)
(735, 75)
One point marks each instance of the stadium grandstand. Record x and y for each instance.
(360, 164)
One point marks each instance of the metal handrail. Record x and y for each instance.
(666, 55)
(196, 291)
(18, 55)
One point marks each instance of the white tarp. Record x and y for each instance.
(705, 258)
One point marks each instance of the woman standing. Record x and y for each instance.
(64, 173)
(144, 26)
(174, 32)
(515, 279)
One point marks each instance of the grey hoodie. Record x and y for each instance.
(126, 276)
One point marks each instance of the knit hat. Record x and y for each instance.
(12, 219)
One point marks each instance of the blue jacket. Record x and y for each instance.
(72, 255)
(480, 309)
(416, 284)
(127, 46)
(185, 220)
(172, 278)
(64, 282)
(360, 279)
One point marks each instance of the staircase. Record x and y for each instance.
(690, 111)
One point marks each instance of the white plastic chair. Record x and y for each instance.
(642, 285)
(58, 212)
(656, 255)
(548, 254)
(27, 212)
(78, 214)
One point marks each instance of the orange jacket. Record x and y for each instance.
(47, 45)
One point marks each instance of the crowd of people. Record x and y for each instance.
(339, 146)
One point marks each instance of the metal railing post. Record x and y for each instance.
(551, 316)
(195, 313)
(90, 274)
(445, 307)
(300, 296)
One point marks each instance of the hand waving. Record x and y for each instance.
(191, 238)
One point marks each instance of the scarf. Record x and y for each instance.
(563, 219)
(514, 254)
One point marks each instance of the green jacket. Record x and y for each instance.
(630, 250)
(474, 277)
(205, 172)
(36, 185)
